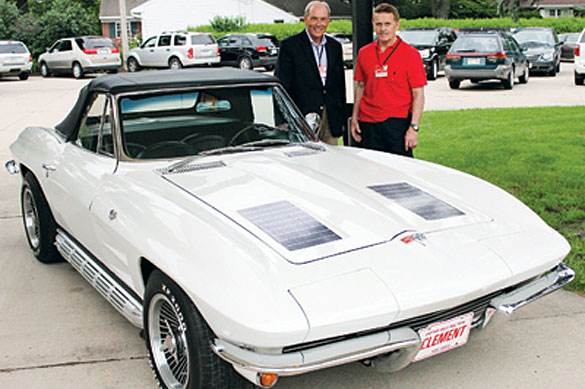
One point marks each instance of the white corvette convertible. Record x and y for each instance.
(200, 204)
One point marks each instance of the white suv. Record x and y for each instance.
(580, 59)
(15, 59)
(174, 50)
(80, 55)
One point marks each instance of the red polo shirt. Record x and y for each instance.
(388, 96)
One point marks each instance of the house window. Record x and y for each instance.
(131, 27)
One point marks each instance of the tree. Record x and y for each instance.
(440, 8)
(8, 16)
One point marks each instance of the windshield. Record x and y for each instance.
(13, 48)
(426, 38)
(535, 36)
(476, 44)
(208, 121)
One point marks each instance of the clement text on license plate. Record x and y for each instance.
(444, 336)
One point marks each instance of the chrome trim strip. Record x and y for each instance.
(12, 167)
(114, 293)
(535, 289)
(321, 357)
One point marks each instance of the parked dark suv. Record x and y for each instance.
(542, 48)
(248, 51)
(432, 44)
(486, 56)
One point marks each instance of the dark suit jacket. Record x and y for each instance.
(298, 72)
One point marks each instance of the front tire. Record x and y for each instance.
(133, 65)
(39, 225)
(77, 70)
(177, 339)
(23, 76)
(45, 70)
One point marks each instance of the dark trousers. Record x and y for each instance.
(385, 136)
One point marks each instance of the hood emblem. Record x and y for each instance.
(418, 238)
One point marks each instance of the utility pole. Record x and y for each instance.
(362, 25)
(123, 31)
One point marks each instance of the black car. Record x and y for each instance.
(249, 50)
(542, 48)
(568, 44)
(492, 55)
(432, 44)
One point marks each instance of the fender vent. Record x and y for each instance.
(418, 201)
(289, 225)
(192, 167)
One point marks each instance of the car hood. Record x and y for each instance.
(308, 204)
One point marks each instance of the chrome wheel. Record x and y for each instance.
(168, 342)
(31, 219)
(77, 71)
(175, 64)
(245, 63)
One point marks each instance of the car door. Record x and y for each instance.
(162, 51)
(520, 57)
(230, 49)
(78, 172)
(57, 59)
(147, 53)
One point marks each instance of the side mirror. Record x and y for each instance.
(314, 120)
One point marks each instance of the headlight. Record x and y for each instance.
(547, 57)
(425, 53)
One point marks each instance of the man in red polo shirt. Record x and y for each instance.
(389, 95)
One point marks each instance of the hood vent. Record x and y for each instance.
(300, 153)
(289, 225)
(192, 167)
(416, 200)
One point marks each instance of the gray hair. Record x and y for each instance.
(314, 3)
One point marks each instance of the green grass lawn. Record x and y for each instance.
(537, 154)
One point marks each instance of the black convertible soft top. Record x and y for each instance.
(155, 80)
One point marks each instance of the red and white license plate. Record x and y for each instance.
(444, 336)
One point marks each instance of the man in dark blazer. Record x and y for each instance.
(310, 67)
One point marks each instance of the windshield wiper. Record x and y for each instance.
(229, 149)
(466, 51)
(266, 143)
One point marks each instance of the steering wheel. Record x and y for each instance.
(166, 149)
(133, 149)
(204, 142)
(248, 128)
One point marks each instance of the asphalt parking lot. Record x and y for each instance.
(57, 332)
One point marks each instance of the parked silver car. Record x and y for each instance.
(15, 59)
(174, 50)
(80, 55)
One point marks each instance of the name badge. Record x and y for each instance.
(323, 71)
(382, 71)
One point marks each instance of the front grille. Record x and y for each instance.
(477, 306)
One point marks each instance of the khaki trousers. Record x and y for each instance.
(324, 133)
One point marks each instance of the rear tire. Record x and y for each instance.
(39, 225)
(509, 82)
(525, 76)
(177, 339)
(175, 64)
(245, 63)
(23, 76)
(432, 75)
(579, 79)
(454, 84)
(77, 71)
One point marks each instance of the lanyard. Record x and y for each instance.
(389, 55)
(320, 53)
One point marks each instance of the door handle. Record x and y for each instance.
(48, 168)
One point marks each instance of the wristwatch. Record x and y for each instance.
(414, 127)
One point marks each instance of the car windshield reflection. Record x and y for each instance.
(198, 122)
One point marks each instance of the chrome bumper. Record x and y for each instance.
(535, 289)
(404, 343)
